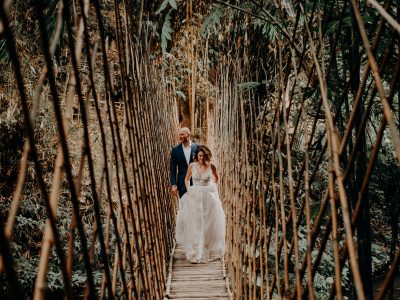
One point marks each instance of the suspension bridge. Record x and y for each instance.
(296, 166)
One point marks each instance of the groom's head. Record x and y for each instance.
(184, 134)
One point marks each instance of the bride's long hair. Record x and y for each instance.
(206, 151)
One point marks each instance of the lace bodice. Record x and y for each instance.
(199, 177)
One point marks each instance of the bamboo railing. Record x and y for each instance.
(288, 160)
(114, 132)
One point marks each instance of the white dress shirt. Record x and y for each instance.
(187, 151)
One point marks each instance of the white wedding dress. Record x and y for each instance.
(200, 224)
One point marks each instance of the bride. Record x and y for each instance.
(200, 225)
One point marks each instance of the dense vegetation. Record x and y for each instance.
(191, 42)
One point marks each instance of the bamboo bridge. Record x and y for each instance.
(287, 162)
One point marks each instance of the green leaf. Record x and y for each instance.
(187, 70)
(181, 94)
(270, 30)
(247, 5)
(248, 85)
(376, 247)
(212, 20)
(369, 18)
(332, 26)
(346, 21)
(162, 6)
(173, 4)
(166, 32)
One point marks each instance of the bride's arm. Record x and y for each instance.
(187, 178)
(214, 171)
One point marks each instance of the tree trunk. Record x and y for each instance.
(184, 113)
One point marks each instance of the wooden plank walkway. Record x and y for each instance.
(196, 281)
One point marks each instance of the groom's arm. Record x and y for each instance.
(172, 168)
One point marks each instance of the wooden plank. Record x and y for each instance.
(197, 295)
(196, 281)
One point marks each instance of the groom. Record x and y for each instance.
(181, 157)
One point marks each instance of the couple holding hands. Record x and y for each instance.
(200, 223)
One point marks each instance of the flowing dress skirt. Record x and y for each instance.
(200, 224)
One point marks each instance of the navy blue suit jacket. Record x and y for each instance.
(179, 166)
